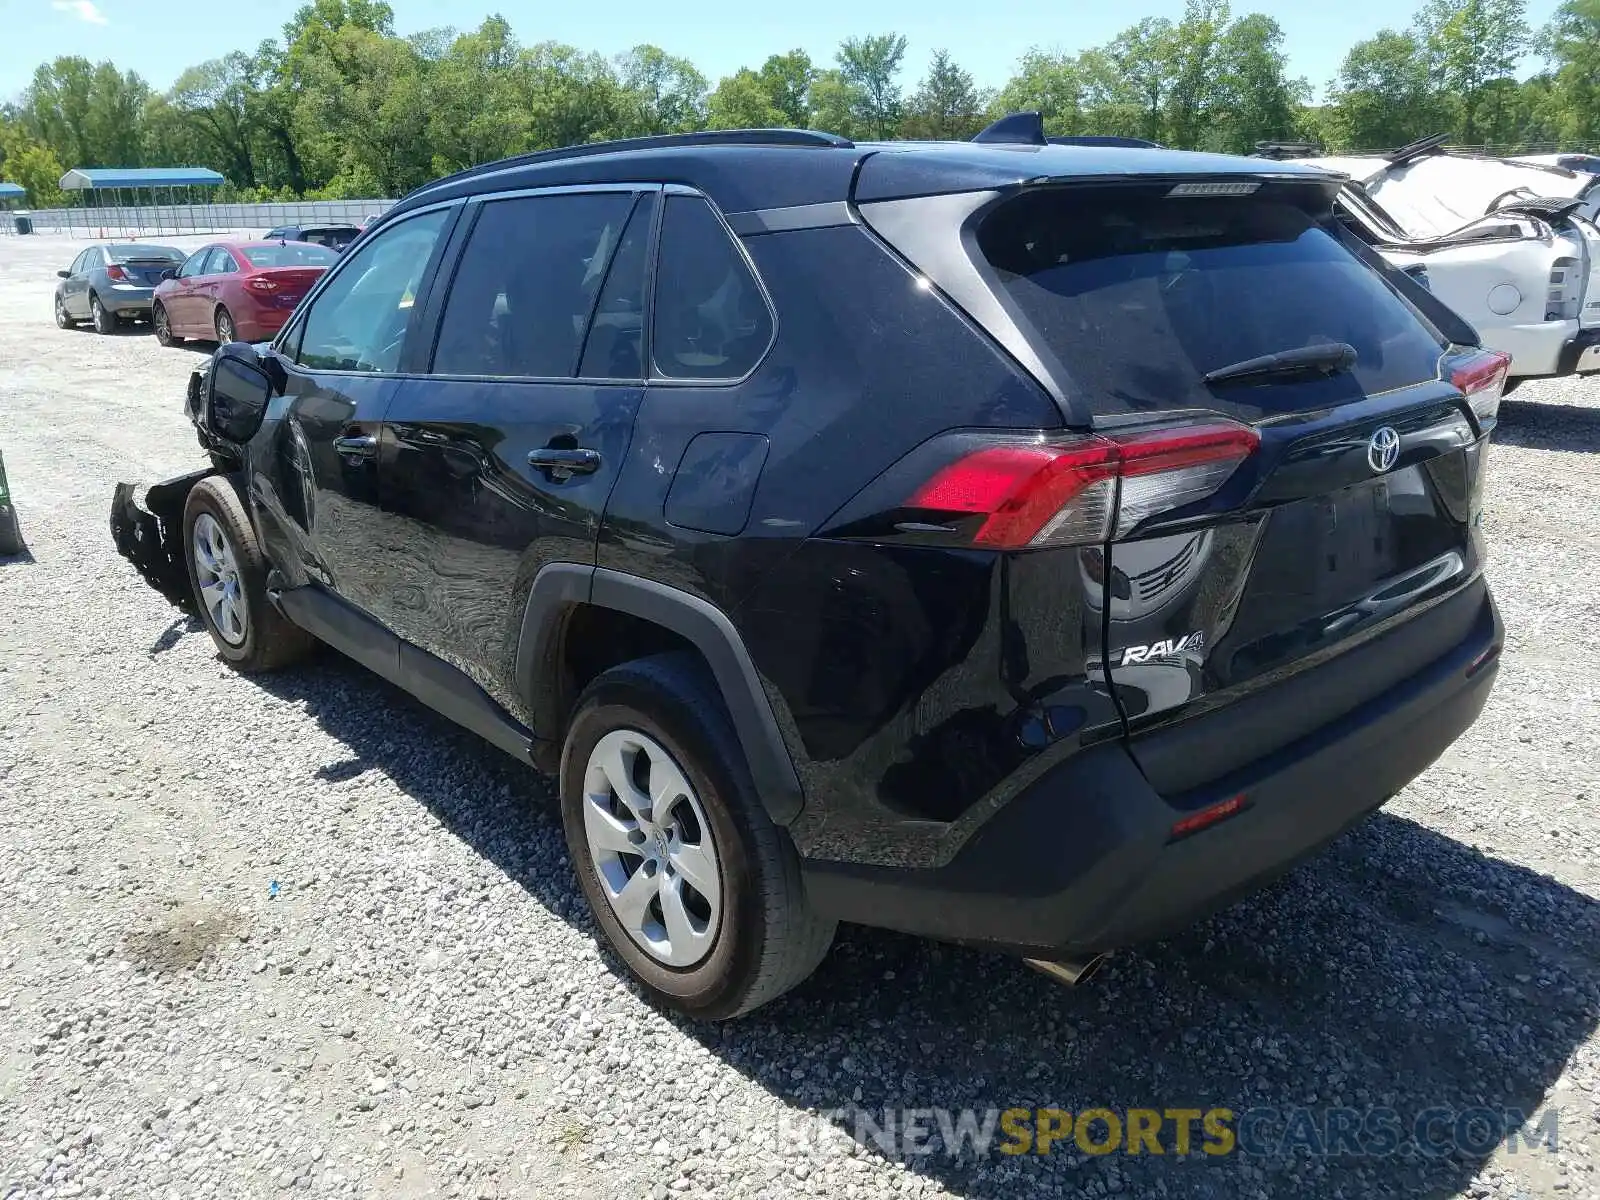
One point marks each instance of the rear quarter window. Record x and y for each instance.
(1139, 294)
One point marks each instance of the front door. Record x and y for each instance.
(502, 448)
(316, 479)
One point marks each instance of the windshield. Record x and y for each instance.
(290, 254)
(1139, 295)
(133, 252)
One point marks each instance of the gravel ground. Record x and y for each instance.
(298, 933)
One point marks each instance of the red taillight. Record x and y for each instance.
(1088, 491)
(1208, 816)
(261, 283)
(1482, 380)
(116, 274)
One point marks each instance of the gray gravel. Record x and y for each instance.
(259, 936)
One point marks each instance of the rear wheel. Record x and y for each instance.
(63, 317)
(225, 331)
(104, 320)
(690, 882)
(163, 325)
(228, 573)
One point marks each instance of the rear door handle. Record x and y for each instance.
(563, 463)
(364, 446)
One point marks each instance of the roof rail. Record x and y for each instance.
(663, 141)
(1014, 129)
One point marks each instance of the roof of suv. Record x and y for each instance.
(742, 173)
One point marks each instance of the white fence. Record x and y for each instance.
(150, 219)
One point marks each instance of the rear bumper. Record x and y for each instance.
(1085, 860)
(127, 302)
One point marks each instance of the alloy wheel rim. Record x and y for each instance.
(225, 329)
(216, 568)
(161, 321)
(61, 313)
(652, 848)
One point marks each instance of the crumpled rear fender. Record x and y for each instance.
(150, 535)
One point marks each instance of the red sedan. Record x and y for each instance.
(236, 291)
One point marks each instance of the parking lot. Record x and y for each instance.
(297, 932)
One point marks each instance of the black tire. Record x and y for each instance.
(64, 319)
(103, 318)
(270, 639)
(163, 328)
(768, 940)
(226, 332)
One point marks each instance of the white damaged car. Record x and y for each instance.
(1512, 246)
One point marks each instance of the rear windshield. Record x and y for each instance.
(133, 252)
(1139, 294)
(290, 254)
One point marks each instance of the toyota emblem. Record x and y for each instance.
(1383, 449)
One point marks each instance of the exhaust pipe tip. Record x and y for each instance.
(1070, 971)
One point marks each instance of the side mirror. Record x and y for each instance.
(64, 274)
(237, 393)
(170, 273)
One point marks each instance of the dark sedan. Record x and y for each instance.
(111, 284)
(335, 237)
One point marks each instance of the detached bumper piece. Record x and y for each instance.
(1581, 354)
(150, 536)
(1091, 857)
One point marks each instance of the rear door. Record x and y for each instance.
(502, 446)
(1357, 507)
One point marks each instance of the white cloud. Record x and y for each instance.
(83, 8)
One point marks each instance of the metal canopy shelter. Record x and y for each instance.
(94, 183)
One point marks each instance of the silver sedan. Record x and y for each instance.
(112, 283)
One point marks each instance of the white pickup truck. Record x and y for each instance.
(1511, 245)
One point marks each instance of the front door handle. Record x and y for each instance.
(363, 446)
(562, 463)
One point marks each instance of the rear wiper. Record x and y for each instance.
(1327, 358)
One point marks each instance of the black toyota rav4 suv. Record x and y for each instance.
(1032, 546)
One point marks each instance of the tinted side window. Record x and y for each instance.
(614, 348)
(192, 264)
(711, 318)
(526, 286)
(220, 263)
(359, 321)
(79, 264)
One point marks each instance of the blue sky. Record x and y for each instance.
(987, 37)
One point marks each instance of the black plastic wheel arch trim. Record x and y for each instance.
(559, 587)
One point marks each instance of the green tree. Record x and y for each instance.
(1383, 96)
(1571, 42)
(1254, 99)
(742, 101)
(1144, 62)
(663, 94)
(836, 104)
(31, 164)
(871, 67)
(1470, 44)
(946, 105)
(215, 97)
(1051, 85)
(788, 79)
(472, 89)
